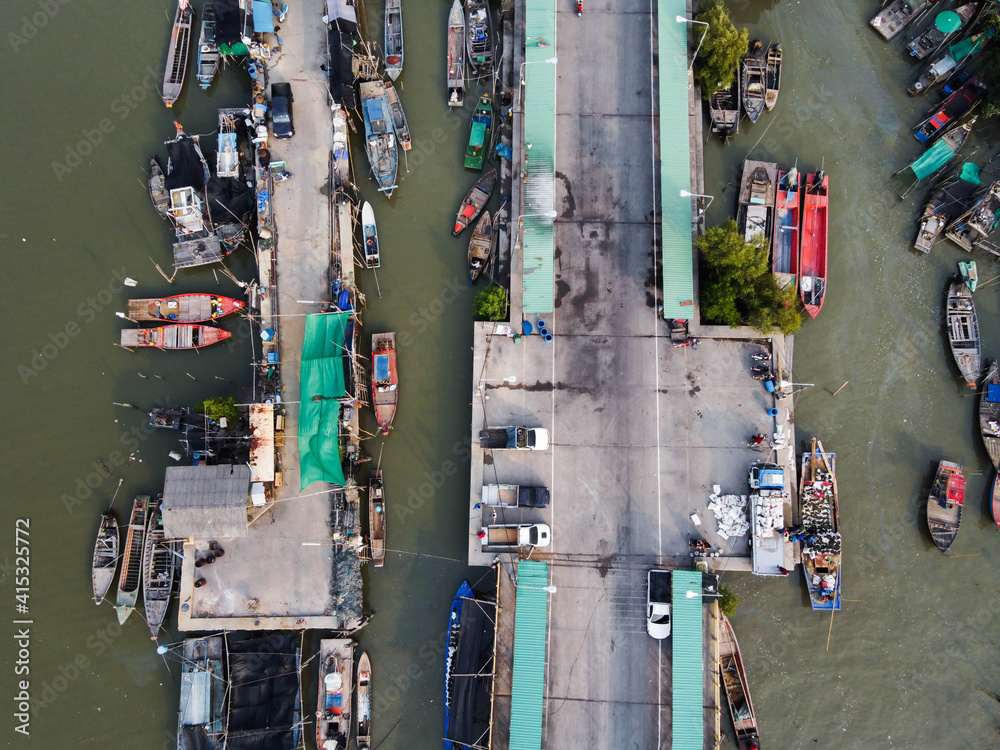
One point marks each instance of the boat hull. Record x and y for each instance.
(380, 138)
(364, 708)
(157, 572)
(454, 630)
(821, 544)
(385, 379)
(393, 38)
(476, 200)
(456, 55)
(785, 247)
(772, 76)
(813, 243)
(333, 711)
(369, 230)
(944, 517)
(376, 518)
(105, 561)
(183, 308)
(177, 336)
(177, 53)
(733, 679)
(962, 325)
(130, 577)
(481, 247)
(989, 412)
(479, 137)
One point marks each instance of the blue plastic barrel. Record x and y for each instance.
(547, 337)
(772, 412)
(769, 385)
(541, 325)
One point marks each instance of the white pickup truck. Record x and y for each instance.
(515, 496)
(516, 535)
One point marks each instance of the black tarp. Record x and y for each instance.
(341, 38)
(264, 698)
(229, 200)
(228, 21)
(470, 705)
(185, 165)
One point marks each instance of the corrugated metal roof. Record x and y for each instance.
(688, 721)
(207, 502)
(675, 162)
(537, 233)
(528, 680)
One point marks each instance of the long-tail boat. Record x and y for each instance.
(787, 211)
(177, 53)
(944, 504)
(754, 86)
(157, 188)
(179, 336)
(380, 137)
(479, 34)
(105, 556)
(963, 332)
(385, 379)
(948, 201)
(734, 681)
(989, 412)
(813, 252)
(819, 511)
(724, 110)
(481, 246)
(476, 200)
(158, 565)
(393, 38)
(946, 25)
(208, 50)
(772, 76)
(397, 115)
(183, 308)
(454, 631)
(130, 578)
(970, 229)
(897, 15)
(364, 707)
(479, 135)
(958, 104)
(934, 159)
(456, 55)
(333, 714)
(376, 518)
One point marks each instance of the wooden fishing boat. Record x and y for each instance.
(158, 563)
(333, 713)
(393, 38)
(970, 229)
(376, 517)
(813, 246)
(947, 202)
(476, 200)
(479, 35)
(756, 198)
(479, 136)
(819, 513)
(397, 115)
(963, 332)
(364, 702)
(936, 158)
(954, 108)
(944, 504)
(734, 681)
(936, 36)
(772, 76)
(208, 50)
(785, 247)
(897, 15)
(456, 55)
(370, 233)
(481, 246)
(948, 64)
(989, 412)
(130, 578)
(164, 418)
(995, 500)
(754, 86)
(177, 53)
(183, 308)
(385, 379)
(179, 336)
(201, 718)
(157, 188)
(724, 110)
(380, 138)
(454, 631)
(102, 571)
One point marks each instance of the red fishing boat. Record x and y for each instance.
(183, 308)
(180, 336)
(786, 229)
(812, 256)
(385, 379)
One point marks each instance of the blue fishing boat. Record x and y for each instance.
(454, 629)
(380, 137)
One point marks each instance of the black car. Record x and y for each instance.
(281, 110)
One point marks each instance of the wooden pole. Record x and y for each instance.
(830, 632)
(841, 387)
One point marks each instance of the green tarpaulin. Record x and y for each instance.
(933, 159)
(478, 134)
(970, 173)
(319, 409)
(968, 45)
(238, 49)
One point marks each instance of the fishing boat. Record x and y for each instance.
(995, 500)
(989, 412)
(177, 53)
(179, 336)
(785, 247)
(947, 64)
(456, 55)
(970, 229)
(963, 332)
(397, 115)
(393, 38)
(724, 110)
(130, 577)
(208, 50)
(158, 563)
(480, 37)
(157, 188)
(897, 15)
(201, 718)
(479, 137)
(370, 232)
(364, 702)
(162, 418)
(183, 308)
(754, 84)
(476, 200)
(954, 108)
(772, 76)
(944, 504)
(376, 517)
(947, 202)
(936, 158)
(481, 246)
(341, 148)
(734, 681)
(380, 139)
(819, 514)
(102, 571)
(333, 714)
(946, 25)
(385, 379)
(756, 198)
(813, 247)
(970, 275)
(454, 631)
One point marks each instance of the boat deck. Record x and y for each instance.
(187, 308)
(897, 16)
(746, 196)
(336, 655)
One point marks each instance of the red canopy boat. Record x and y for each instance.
(812, 256)
(183, 308)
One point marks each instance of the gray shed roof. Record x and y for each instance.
(207, 502)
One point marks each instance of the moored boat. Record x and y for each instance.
(995, 500)
(201, 718)
(897, 15)
(724, 110)
(130, 577)
(376, 518)
(385, 379)
(341, 148)
(481, 246)
(946, 203)
(380, 138)
(989, 412)
(734, 681)
(963, 332)
(164, 418)
(178, 336)
(158, 563)
(475, 201)
(772, 76)
(944, 504)
(813, 246)
(936, 158)
(333, 714)
(183, 308)
(754, 86)
(480, 37)
(971, 228)
(157, 189)
(456, 55)
(393, 38)
(397, 115)
(819, 537)
(208, 50)
(947, 64)
(177, 53)
(454, 631)
(958, 104)
(785, 247)
(946, 25)
(102, 571)
(364, 708)
(479, 136)
(370, 233)
(756, 198)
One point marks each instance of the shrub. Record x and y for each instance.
(491, 304)
(718, 61)
(728, 601)
(216, 408)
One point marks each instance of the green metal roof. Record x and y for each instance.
(528, 680)
(322, 378)
(675, 162)
(538, 231)
(688, 720)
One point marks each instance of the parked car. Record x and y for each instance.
(658, 604)
(281, 110)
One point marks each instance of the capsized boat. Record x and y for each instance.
(385, 379)
(158, 564)
(481, 246)
(819, 514)
(333, 714)
(480, 37)
(785, 247)
(454, 631)
(370, 233)
(989, 412)
(102, 571)
(393, 38)
(958, 104)
(130, 577)
(179, 336)
(756, 198)
(947, 64)
(754, 86)
(724, 110)
(376, 517)
(479, 137)
(397, 115)
(201, 718)
(380, 138)
(944, 504)
(456, 55)
(177, 53)
(963, 332)
(364, 702)
(897, 15)
(947, 202)
(970, 275)
(476, 200)
(734, 681)
(183, 308)
(946, 25)
(936, 158)
(772, 76)
(208, 50)
(813, 247)
(157, 188)
(970, 229)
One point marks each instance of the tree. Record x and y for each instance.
(718, 61)
(491, 304)
(216, 408)
(728, 601)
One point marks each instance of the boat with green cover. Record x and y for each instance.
(479, 138)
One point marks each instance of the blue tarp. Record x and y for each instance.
(993, 392)
(263, 17)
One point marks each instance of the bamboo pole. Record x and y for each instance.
(841, 387)
(830, 632)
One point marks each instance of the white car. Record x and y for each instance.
(658, 604)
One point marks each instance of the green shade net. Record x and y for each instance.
(322, 377)
(932, 160)
(969, 45)
(947, 21)
(969, 173)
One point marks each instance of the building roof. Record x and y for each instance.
(528, 679)
(687, 704)
(206, 502)
(262, 442)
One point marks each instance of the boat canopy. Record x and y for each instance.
(956, 489)
(969, 45)
(969, 173)
(196, 695)
(322, 377)
(948, 21)
(383, 371)
(478, 135)
(932, 159)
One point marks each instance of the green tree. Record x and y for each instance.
(728, 601)
(215, 408)
(718, 61)
(491, 304)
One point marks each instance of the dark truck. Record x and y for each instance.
(515, 496)
(515, 438)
